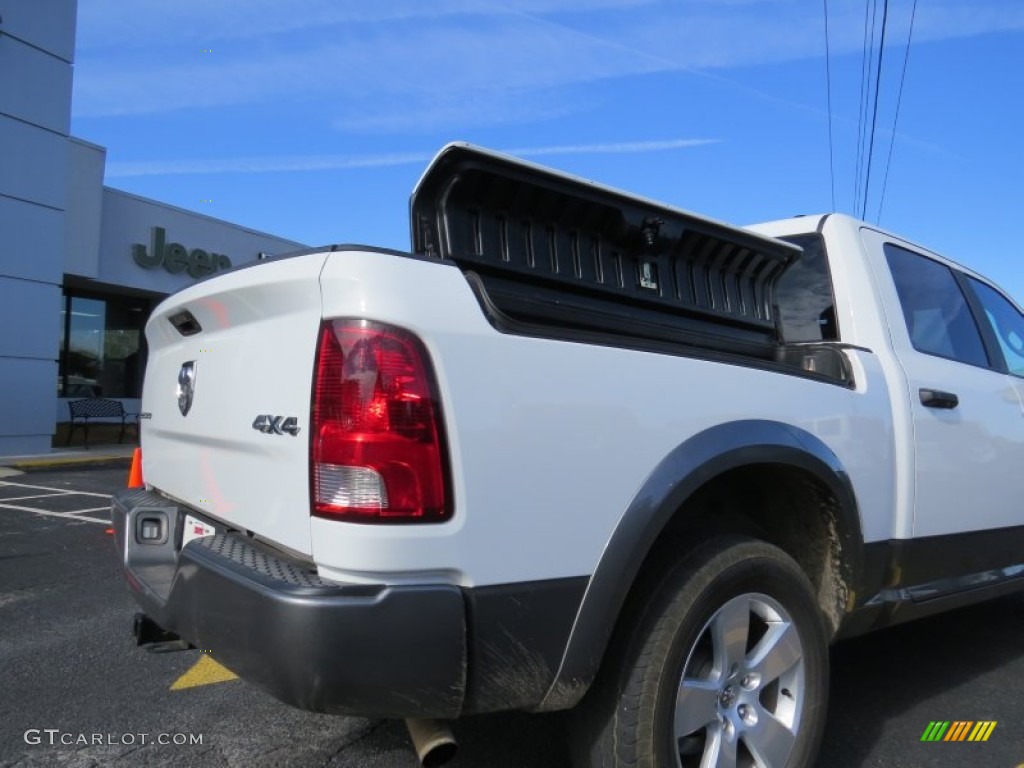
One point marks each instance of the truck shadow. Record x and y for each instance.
(486, 741)
(886, 687)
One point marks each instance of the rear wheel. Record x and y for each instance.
(724, 663)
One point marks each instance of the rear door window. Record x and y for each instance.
(937, 315)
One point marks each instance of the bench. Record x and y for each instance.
(93, 409)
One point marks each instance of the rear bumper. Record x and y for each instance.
(370, 650)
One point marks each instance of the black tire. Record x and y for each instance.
(764, 694)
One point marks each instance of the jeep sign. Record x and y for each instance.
(175, 258)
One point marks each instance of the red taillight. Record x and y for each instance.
(377, 449)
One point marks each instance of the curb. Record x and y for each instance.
(77, 462)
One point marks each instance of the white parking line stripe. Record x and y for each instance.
(53, 490)
(37, 496)
(65, 515)
(94, 509)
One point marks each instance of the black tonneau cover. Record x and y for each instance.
(544, 249)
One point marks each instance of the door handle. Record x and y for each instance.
(933, 398)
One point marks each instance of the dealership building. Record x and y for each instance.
(81, 264)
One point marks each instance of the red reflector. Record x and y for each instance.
(377, 445)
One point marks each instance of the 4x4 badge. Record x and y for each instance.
(276, 425)
(186, 386)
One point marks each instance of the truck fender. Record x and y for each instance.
(664, 493)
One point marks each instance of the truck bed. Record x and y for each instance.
(546, 252)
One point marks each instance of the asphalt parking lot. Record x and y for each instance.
(75, 691)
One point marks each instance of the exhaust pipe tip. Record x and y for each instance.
(433, 741)
(154, 638)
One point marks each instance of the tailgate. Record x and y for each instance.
(226, 401)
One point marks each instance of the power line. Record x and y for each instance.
(828, 88)
(865, 78)
(874, 117)
(896, 117)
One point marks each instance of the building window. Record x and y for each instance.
(102, 348)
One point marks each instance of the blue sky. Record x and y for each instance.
(313, 119)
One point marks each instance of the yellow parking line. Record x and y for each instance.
(206, 671)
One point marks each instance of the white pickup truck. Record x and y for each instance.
(576, 450)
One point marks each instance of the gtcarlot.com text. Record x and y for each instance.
(53, 737)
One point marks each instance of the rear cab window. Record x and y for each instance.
(804, 294)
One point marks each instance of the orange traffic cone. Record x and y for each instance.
(135, 474)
